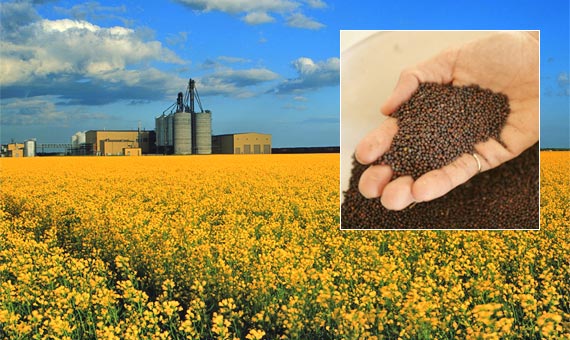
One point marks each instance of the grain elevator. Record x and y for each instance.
(181, 130)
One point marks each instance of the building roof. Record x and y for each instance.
(116, 131)
(241, 133)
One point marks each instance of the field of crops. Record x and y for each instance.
(249, 247)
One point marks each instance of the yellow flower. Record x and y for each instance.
(255, 334)
(224, 247)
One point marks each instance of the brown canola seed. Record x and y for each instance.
(506, 197)
(440, 122)
(430, 136)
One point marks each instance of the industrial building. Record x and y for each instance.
(132, 152)
(181, 130)
(114, 142)
(26, 149)
(242, 143)
(13, 150)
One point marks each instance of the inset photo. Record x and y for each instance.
(440, 130)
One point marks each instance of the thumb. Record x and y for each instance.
(407, 85)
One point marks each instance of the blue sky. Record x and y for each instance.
(269, 66)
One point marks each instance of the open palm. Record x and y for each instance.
(504, 62)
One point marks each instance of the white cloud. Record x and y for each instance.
(68, 46)
(52, 55)
(256, 18)
(14, 16)
(240, 6)
(41, 111)
(311, 75)
(299, 20)
(260, 11)
(250, 76)
(316, 3)
(94, 11)
(67, 24)
(30, 112)
(234, 83)
(231, 60)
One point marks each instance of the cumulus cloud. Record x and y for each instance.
(311, 75)
(31, 112)
(259, 11)
(240, 6)
(79, 61)
(94, 11)
(256, 18)
(299, 20)
(316, 3)
(235, 83)
(14, 17)
(40, 111)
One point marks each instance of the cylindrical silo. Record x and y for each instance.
(159, 128)
(169, 130)
(30, 148)
(203, 132)
(182, 133)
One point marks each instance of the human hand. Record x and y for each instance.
(504, 62)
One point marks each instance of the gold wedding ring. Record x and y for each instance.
(478, 162)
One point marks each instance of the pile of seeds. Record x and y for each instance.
(439, 123)
(435, 126)
(505, 197)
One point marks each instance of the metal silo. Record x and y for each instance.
(182, 133)
(203, 132)
(159, 128)
(169, 130)
(30, 148)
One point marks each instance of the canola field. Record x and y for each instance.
(249, 247)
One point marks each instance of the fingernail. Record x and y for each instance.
(357, 158)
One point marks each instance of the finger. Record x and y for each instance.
(407, 85)
(397, 194)
(373, 180)
(493, 153)
(377, 142)
(438, 182)
(523, 139)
